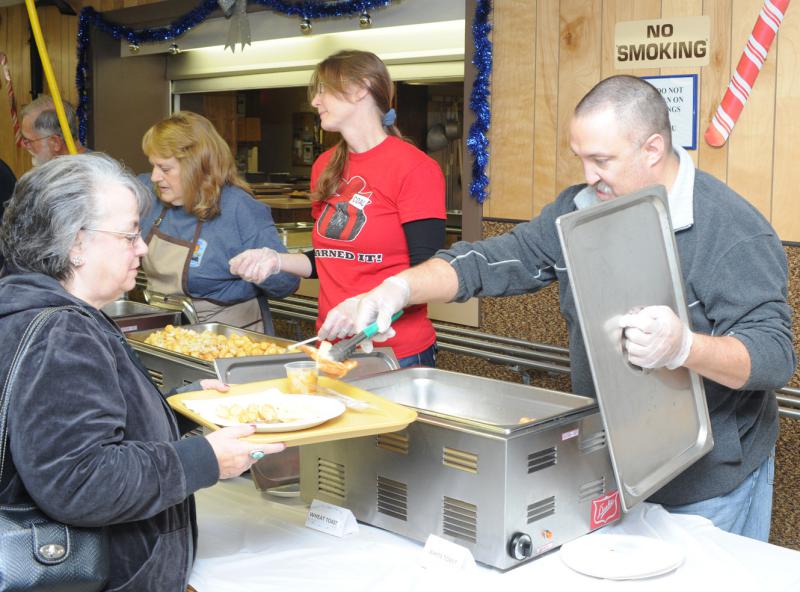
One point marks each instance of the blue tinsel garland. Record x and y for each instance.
(477, 141)
(90, 17)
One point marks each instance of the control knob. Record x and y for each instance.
(520, 546)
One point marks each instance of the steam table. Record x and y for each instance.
(251, 541)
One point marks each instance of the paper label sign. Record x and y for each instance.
(439, 553)
(680, 42)
(331, 519)
(570, 434)
(680, 95)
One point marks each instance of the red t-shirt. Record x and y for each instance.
(358, 235)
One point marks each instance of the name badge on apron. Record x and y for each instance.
(198, 252)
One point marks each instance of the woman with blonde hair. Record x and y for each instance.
(378, 206)
(202, 215)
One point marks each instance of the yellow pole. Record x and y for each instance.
(51, 79)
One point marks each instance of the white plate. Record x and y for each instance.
(621, 556)
(310, 410)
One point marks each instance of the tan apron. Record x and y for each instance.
(167, 267)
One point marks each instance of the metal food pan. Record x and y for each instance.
(490, 405)
(128, 308)
(135, 316)
(170, 369)
(218, 328)
(255, 368)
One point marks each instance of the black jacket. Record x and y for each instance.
(94, 443)
(7, 183)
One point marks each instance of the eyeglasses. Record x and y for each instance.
(131, 237)
(27, 141)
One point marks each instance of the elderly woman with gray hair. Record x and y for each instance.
(92, 441)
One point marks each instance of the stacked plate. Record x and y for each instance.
(621, 556)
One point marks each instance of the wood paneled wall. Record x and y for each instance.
(60, 34)
(549, 53)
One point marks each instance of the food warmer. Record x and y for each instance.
(512, 471)
(170, 369)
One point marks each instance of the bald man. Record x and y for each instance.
(735, 277)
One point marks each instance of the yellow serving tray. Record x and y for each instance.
(382, 417)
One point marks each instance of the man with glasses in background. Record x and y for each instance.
(41, 131)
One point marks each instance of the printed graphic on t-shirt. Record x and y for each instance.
(344, 217)
(346, 255)
(198, 252)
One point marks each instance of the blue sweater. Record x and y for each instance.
(735, 278)
(243, 223)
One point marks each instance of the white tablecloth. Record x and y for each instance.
(251, 541)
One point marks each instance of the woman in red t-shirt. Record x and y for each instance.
(378, 205)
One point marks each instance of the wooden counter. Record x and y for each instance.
(288, 209)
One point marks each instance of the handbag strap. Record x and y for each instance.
(5, 397)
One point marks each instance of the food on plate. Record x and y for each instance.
(326, 365)
(209, 345)
(253, 413)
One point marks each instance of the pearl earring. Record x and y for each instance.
(77, 261)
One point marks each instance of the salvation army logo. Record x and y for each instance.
(605, 509)
(344, 216)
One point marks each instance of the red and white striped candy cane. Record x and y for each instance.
(12, 102)
(753, 57)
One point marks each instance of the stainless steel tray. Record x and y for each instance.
(483, 403)
(218, 328)
(134, 316)
(620, 255)
(128, 308)
(255, 368)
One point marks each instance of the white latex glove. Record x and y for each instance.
(235, 456)
(379, 304)
(256, 265)
(655, 337)
(341, 320)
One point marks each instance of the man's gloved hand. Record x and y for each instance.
(379, 304)
(255, 265)
(655, 337)
(341, 320)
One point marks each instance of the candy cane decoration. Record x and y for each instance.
(753, 57)
(11, 100)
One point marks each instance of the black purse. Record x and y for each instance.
(37, 553)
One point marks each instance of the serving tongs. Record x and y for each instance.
(180, 303)
(344, 349)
